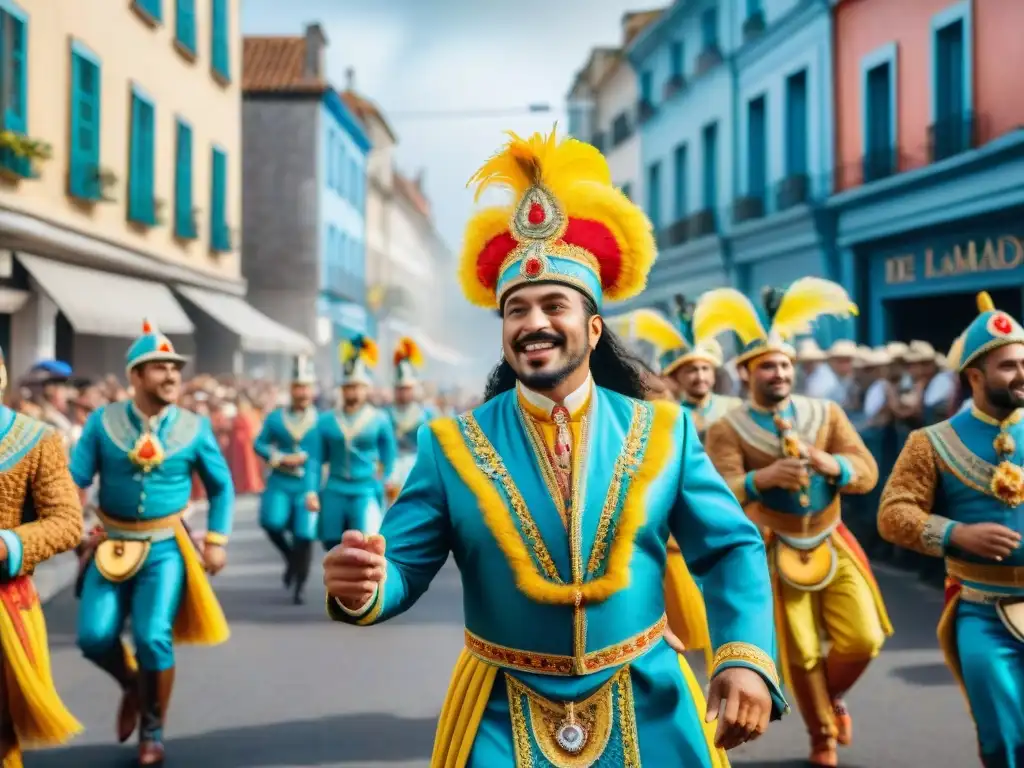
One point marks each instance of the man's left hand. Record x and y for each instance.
(823, 463)
(215, 557)
(740, 701)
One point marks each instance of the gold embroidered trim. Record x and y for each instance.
(122, 431)
(566, 666)
(933, 536)
(493, 466)
(622, 476)
(543, 458)
(990, 575)
(811, 415)
(22, 435)
(748, 653)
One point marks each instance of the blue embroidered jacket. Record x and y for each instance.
(359, 448)
(406, 421)
(287, 432)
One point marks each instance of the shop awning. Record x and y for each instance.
(256, 331)
(105, 304)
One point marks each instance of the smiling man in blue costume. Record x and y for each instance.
(557, 498)
(357, 442)
(408, 414)
(290, 444)
(789, 459)
(145, 566)
(957, 491)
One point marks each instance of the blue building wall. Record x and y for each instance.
(343, 149)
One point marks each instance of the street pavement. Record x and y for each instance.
(291, 690)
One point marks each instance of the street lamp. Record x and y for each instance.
(529, 109)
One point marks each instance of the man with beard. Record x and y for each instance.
(407, 414)
(40, 517)
(145, 566)
(957, 492)
(557, 497)
(357, 443)
(290, 444)
(789, 459)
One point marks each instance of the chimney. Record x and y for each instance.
(350, 79)
(316, 41)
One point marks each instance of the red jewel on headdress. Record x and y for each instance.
(1002, 324)
(532, 267)
(537, 215)
(164, 347)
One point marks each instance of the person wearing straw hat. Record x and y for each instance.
(957, 491)
(816, 377)
(557, 496)
(407, 413)
(33, 476)
(145, 565)
(357, 442)
(290, 444)
(842, 356)
(789, 459)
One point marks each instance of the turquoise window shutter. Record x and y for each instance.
(220, 39)
(220, 236)
(152, 8)
(83, 173)
(141, 205)
(681, 162)
(709, 28)
(184, 223)
(14, 58)
(185, 29)
(796, 124)
(756, 147)
(710, 185)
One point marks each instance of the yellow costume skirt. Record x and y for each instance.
(470, 690)
(39, 717)
(684, 605)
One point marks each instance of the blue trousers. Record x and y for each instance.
(992, 661)
(151, 598)
(340, 512)
(285, 511)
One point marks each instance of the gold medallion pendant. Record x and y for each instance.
(147, 453)
(808, 570)
(571, 736)
(118, 560)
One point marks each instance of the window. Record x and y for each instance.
(709, 29)
(675, 59)
(757, 154)
(353, 179)
(13, 63)
(646, 86)
(185, 25)
(709, 187)
(220, 235)
(220, 40)
(681, 163)
(83, 173)
(142, 147)
(952, 107)
(879, 139)
(654, 195)
(184, 222)
(796, 124)
(150, 8)
(339, 169)
(753, 7)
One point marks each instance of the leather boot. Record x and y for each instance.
(115, 663)
(810, 690)
(302, 555)
(156, 696)
(842, 673)
(280, 542)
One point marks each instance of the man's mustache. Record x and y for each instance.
(539, 338)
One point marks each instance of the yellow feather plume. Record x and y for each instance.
(367, 351)
(650, 326)
(808, 299)
(407, 349)
(726, 309)
(956, 352)
(985, 303)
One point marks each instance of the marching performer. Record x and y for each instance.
(557, 496)
(408, 414)
(357, 442)
(290, 444)
(33, 476)
(789, 459)
(145, 565)
(957, 492)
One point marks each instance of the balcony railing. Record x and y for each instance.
(677, 233)
(951, 136)
(753, 25)
(710, 57)
(702, 223)
(793, 190)
(673, 86)
(748, 208)
(879, 164)
(621, 129)
(644, 110)
(598, 140)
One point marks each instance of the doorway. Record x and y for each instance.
(940, 319)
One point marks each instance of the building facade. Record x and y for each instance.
(930, 160)
(304, 171)
(120, 187)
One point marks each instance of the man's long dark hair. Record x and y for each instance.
(612, 365)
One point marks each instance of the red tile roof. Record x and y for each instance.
(277, 64)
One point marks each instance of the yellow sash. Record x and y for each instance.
(40, 717)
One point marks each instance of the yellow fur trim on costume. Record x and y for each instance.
(408, 350)
(650, 326)
(726, 309)
(576, 176)
(499, 521)
(807, 299)
(985, 303)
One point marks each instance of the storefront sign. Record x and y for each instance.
(992, 254)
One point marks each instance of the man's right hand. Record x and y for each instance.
(790, 474)
(292, 461)
(990, 540)
(355, 568)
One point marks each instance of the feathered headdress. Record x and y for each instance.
(407, 359)
(786, 314)
(358, 355)
(990, 330)
(673, 341)
(568, 225)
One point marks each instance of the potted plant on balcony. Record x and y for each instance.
(19, 153)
